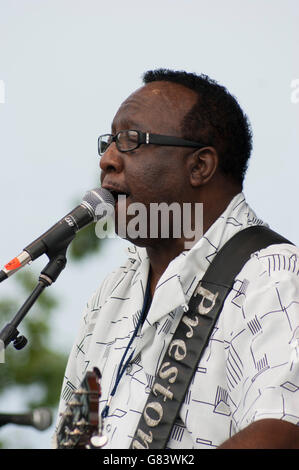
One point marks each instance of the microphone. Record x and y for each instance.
(62, 233)
(40, 418)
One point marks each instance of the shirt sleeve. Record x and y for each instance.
(264, 348)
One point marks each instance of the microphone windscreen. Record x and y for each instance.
(97, 196)
(41, 418)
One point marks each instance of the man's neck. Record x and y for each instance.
(164, 251)
(160, 256)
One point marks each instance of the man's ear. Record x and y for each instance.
(203, 164)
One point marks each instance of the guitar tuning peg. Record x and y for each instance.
(74, 403)
(76, 432)
(66, 413)
(81, 391)
(69, 443)
(82, 422)
(81, 418)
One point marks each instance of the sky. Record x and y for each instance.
(66, 66)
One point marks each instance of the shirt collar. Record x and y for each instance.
(186, 270)
(237, 215)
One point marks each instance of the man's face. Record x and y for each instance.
(150, 173)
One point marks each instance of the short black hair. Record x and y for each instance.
(216, 120)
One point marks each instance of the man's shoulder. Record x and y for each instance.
(118, 273)
(275, 262)
(118, 279)
(283, 256)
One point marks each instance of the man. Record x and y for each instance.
(244, 391)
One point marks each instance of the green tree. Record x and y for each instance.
(38, 363)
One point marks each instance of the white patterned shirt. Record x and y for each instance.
(250, 368)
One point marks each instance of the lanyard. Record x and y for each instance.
(124, 362)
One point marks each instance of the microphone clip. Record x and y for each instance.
(57, 262)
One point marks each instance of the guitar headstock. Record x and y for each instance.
(80, 420)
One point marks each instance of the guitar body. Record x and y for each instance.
(79, 426)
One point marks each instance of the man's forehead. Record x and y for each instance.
(167, 92)
(160, 99)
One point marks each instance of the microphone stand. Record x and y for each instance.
(50, 273)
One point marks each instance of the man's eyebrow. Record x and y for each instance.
(125, 125)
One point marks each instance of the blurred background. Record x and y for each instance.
(65, 67)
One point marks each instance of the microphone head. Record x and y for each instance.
(97, 196)
(41, 418)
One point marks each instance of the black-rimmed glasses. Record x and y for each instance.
(129, 140)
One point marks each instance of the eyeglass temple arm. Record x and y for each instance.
(147, 138)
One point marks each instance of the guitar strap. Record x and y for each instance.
(192, 335)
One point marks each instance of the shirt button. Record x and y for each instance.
(129, 368)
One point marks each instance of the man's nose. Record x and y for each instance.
(112, 159)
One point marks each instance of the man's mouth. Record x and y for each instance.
(117, 193)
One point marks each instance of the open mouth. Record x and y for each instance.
(117, 194)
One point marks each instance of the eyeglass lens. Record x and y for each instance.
(125, 141)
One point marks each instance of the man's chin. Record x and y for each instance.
(138, 241)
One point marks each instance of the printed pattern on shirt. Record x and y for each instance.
(250, 368)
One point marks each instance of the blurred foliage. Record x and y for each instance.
(84, 244)
(39, 365)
